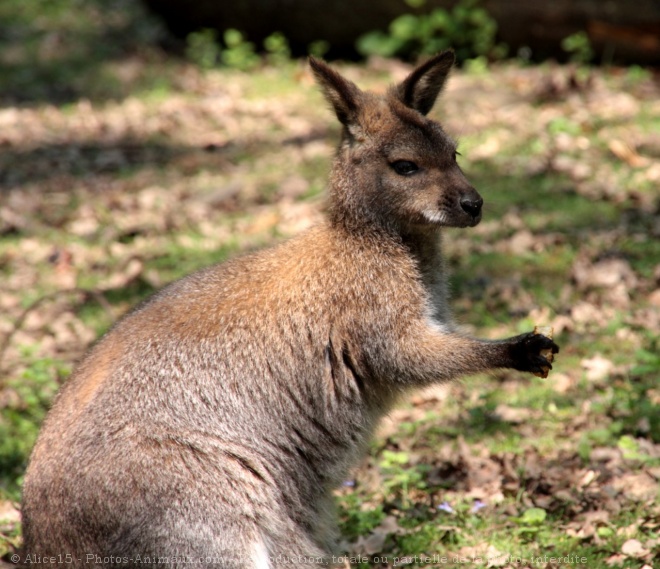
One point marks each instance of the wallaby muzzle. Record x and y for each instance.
(471, 203)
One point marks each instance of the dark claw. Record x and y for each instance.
(540, 365)
(525, 352)
(545, 343)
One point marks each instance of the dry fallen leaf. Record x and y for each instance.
(634, 548)
(639, 487)
(597, 367)
(616, 559)
(370, 545)
(374, 542)
(604, 273)
(514, 415)
(624, 152)
(127, 275)
(9, 513)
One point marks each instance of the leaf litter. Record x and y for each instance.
(96, 196)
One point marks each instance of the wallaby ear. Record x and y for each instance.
(342, 94)
(421, 88)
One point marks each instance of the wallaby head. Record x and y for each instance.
(396, 168)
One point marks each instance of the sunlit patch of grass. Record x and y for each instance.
(32, 394)
(272, 82)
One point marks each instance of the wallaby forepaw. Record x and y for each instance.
(533, 352)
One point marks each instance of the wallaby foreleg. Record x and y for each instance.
(427, 355)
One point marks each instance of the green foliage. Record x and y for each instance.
(630, 448)
(238, 53)
(422, 538)
(205, 49)
(32, 393)
(357, 518)
(477, 65)
(631, 405)
(631, 413)
(399, 478)
(564, 125)
(637, 74)
(648, 362)
(467, 28)
(10, 539)
(318, 48)
(531, 522)
(532, 517)
(578, 47)
(277, 48)
(202, 48)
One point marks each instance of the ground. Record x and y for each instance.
(106, 198)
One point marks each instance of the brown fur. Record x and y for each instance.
(216, 418)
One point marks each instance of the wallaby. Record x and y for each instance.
(211, 424)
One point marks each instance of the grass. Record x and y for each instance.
(502, 529)
(185, 168)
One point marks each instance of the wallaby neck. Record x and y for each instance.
(425, 247)
(356, 211)
(423, 244)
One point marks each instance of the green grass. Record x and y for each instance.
(541, 455)
(505, 526)
(19, 425)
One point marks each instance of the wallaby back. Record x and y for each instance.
(213, 422)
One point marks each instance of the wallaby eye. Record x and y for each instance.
(404, 167)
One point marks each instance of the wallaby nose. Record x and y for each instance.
(472, 206)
